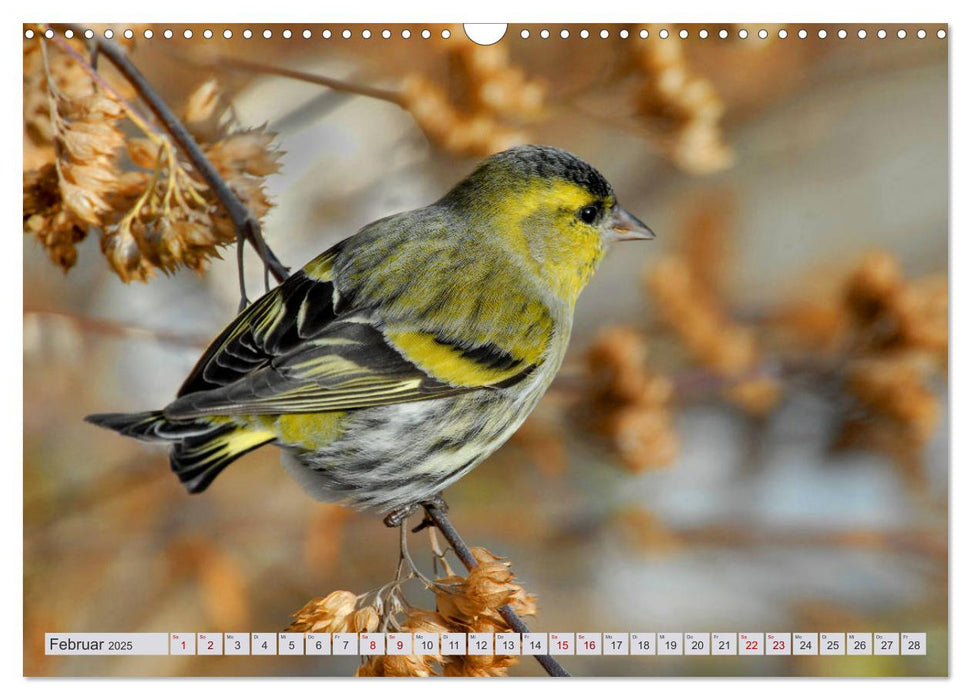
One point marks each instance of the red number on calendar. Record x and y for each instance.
(778, 645)
(590, 644)
(400, 645)
(751, 644)
(183, 644)
(209, 645)
(373, 646)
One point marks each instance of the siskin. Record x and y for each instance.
(395, 362)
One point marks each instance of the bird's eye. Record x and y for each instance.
(589, 214)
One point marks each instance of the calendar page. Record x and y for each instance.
(478, 350)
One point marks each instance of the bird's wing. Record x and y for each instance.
(292, 352)
(274, 324)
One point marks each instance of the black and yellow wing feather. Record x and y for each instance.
(297, 350)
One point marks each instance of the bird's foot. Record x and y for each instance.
(436, 502)
(399, 515)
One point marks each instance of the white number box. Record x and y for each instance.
(751, 643)
(454, 643)
(345, 644)
(480, 644)
(832, 643)
(318, 643)
(426, 643)
(209, 644)
(371, 643)
(562, 643)
(913, 643)
(589, 644)
(616, 644)
(643, 643)
(291, 644)
(263, 643)
(508, 643)
(805, 643)
(236, 643)
(697, 643)
(886, 643)
(398, 643)
(670, 643)
(778, 643)
(535, 643)
(859, 643)
(724, 643)
(182, 644)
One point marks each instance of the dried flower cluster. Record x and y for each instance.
(496, 99)
(702, 325)
(470, 604)
(340, 611)
(72, 136)
(681, 105)
(631, 404)
(463, 604)
(897, 343)
(153, 212)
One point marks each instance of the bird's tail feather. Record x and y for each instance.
(201, 449)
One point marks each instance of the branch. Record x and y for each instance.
(247, 226)
(332, 83)
(436, 513)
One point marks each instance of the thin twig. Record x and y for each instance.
(437, 514)
(332, 83)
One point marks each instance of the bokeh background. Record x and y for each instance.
(750, 431)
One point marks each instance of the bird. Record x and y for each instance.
(395, 362)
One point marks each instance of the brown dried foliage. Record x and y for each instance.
(631, 404)
(151, 210)
(681, 105)
(704, 328)
(463, 604)
(486, 111)
(336, 612)
(896, 340)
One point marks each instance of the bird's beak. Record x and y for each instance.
(624, 226)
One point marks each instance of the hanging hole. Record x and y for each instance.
(485, 34)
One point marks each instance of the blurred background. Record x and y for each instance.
(749, 433)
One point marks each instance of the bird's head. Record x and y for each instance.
(550, 208)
